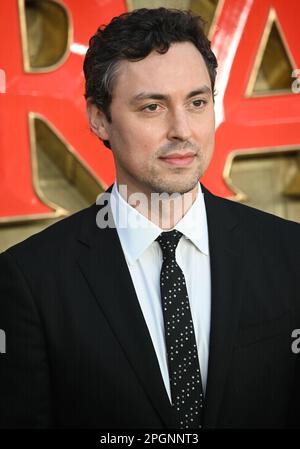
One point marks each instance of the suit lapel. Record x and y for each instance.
(226, 250)
(105, 269)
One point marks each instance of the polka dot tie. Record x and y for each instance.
(183, 362)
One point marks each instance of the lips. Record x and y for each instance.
(179, 159)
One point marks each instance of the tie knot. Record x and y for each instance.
(168, 242)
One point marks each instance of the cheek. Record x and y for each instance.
(209, 144)
(206, 135)
(211, 136)
(134, 150)
(135, 137)
(142, 144)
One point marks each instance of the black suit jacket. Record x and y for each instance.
(78, 351)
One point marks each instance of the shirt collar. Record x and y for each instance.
(137, 233)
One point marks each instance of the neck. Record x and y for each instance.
(162, 209)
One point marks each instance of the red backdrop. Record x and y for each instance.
(242, 123)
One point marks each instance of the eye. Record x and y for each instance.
(153, 107)
(199, 103)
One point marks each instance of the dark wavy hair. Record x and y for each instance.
(132, 36)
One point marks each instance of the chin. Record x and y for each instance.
(180, 186)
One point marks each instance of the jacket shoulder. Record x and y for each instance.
(60, 234)
(249, 214)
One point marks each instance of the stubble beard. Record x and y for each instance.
(179, 180)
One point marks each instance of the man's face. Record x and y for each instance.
(162, 129)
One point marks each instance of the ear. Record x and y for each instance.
(97, 120)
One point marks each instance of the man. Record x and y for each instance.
(135, 313)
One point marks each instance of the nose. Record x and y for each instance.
(179, 127)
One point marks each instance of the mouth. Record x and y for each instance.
(179, 159)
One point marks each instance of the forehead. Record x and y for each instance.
(180, 69)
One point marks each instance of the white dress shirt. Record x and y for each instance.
(144, 259)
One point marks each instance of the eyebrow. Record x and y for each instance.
(157, 96)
